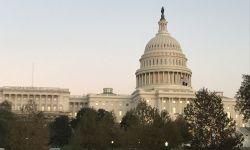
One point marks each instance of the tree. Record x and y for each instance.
(93, 129)
(30, 130)
(243, 98)
(145, 128)
(209, 125)
(7, 119)
(182, 126)
(60, 131)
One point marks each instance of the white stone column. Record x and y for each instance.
(140, 80)
(178, 78)
(179, 106)
(149, 78)
(171, 106)
(168, 77)
(46, 103)
(21, 101)
(137, 81)
(157, 78)
(187, 78)
(172, 76)
(40, 101)
(154, 78)
(163, 77)
(143, 79)
(190, 80)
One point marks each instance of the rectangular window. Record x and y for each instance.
(174, 110)
(42, 108)
(49, 108)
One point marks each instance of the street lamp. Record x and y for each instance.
(26, 144)
(112, 142)
(166, 145)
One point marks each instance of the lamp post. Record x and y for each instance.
(166, 145)
(26, 142)
(112, 142)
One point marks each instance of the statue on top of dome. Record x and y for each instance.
(162, 10)
(162, 13)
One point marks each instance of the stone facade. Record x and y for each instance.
(50, 100)
(163, 81)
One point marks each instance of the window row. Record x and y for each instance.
(41, 108)
(158, 61)
(169, 45)
(103, 104)
(25, 98)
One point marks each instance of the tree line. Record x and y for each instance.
(203, 125)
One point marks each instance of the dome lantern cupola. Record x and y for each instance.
(162, 23)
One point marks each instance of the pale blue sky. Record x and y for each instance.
(87, 45)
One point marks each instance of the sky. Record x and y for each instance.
(88, 45)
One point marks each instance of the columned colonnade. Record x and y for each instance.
(173, 105)
(162, 77)
(43, 101)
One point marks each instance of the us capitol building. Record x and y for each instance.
(163, 81)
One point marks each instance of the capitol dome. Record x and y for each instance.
(162, 42)
(163, 64)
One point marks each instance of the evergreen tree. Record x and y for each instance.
(243, 98)
(209, 125)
